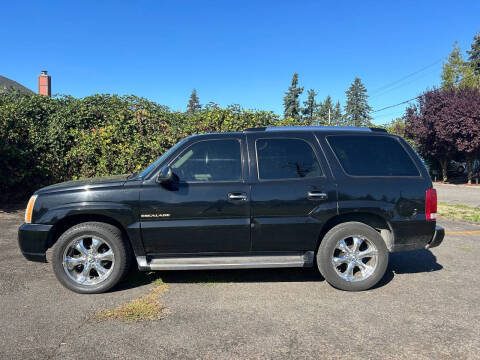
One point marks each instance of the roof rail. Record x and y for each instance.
(317, 128)
(311, 128)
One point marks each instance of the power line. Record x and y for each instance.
(401, 103)
(472, 75)
(405, 77)
(381, 93)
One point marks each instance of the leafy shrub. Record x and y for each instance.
(46, 140)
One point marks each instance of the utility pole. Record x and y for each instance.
(329, 117)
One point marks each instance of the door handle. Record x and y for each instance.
(317, 195)
(237, 196)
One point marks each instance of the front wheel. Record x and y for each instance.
(90, 257)
(352, 256)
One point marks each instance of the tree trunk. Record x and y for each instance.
(444, 165)
(470, 169)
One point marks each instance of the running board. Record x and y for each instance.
(304, 259)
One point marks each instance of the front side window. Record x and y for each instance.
(362, 155)
(210, 160)
(286, 159)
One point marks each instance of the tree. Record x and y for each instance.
(291, 102)
(474, 54)
(194, 102)
(454, 68)
(473, 65)
(462, 115)
(357, 110)
(337, 116)
(325, 111)
(396, 126)
(446, 122)
(310, 109)
(423, 125)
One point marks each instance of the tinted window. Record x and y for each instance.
(372, 156)
(286, 159)
(211, 160)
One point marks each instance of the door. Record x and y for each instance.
(292, 194)
(208, 210)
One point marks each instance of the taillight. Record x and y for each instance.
(431, 204)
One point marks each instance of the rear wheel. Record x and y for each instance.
(352, 256)
(90, 257)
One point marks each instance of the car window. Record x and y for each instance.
(286, 159)
(210, 160)
(157, 162)
(372, 156)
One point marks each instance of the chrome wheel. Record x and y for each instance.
(88, 260)
(355, 258)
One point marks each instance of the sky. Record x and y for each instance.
(235, 52)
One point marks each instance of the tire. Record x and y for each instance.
(336, 272)
(460, 169)
(104, 249)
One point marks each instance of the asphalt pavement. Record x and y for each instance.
(426, 307)
(458, 194)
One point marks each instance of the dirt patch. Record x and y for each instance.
(145, 308)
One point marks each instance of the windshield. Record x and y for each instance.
(154, 164)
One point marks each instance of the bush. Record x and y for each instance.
(46, 140)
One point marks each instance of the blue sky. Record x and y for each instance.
(241, 52)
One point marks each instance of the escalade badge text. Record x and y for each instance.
(146, 216)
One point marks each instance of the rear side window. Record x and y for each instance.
(372, 156)
(286, 159)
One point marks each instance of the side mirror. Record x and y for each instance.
(166, 176)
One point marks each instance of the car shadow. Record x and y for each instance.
(409, 262)
(399, 263)
(138, 278)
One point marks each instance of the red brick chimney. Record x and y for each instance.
(44, 84)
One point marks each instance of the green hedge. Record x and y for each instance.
(46, 140)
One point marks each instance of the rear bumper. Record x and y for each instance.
(33, 241)
(423, 242)
(437, 237)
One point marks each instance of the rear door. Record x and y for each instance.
(292, 193)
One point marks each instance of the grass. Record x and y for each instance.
(467, 248)
(145, 308)
(459, 211)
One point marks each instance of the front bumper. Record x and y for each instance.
(437, 237)
(33, 241)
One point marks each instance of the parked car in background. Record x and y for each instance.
(457, 168)
(340, 199)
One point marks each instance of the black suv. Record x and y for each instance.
(337, 198)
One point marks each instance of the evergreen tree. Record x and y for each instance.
(291, 103)
(357, 110)
(337, 116)
(474, 54)
(194, 102)
(323, 111)
(310, 109)
(454, 68)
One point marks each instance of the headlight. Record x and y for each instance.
(29, 210)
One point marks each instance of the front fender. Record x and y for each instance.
(123, 215)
